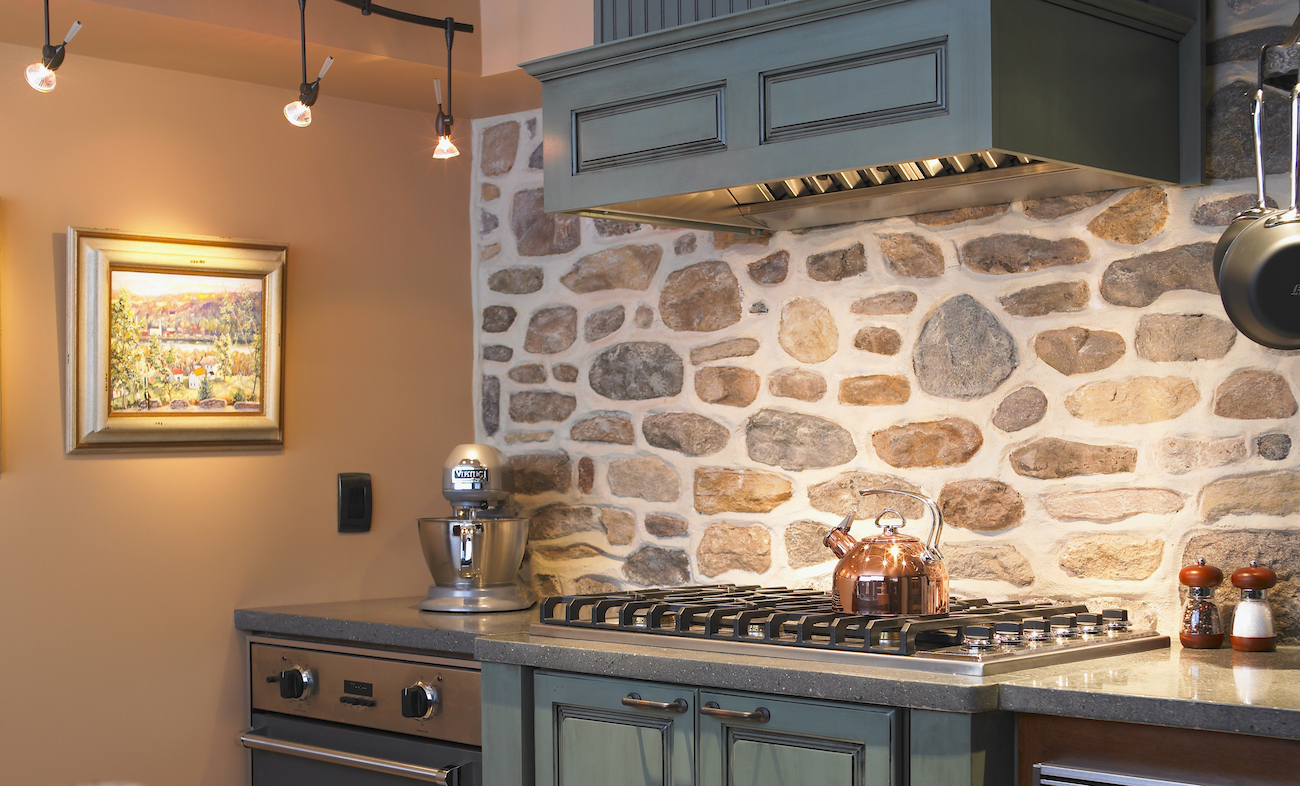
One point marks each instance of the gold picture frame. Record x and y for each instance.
(174, 342)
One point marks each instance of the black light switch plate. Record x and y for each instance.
(355, 502)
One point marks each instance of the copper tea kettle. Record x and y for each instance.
(891, 573)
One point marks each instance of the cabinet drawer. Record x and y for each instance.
(794, 741)
(595, 730)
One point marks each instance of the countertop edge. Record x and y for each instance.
(356, 632)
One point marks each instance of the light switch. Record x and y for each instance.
(355, 502)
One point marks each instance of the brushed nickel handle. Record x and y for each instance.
(445, 777)
(711, 708)
(635, 700)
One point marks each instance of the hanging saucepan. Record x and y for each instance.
(1259, 280)
(1246, 217)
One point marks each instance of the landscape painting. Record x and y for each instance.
(183, 343)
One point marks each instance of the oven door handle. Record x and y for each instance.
(445, 777)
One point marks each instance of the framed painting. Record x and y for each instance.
(174, 342)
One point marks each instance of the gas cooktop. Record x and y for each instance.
(976, 637)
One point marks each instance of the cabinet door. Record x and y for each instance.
(785, 742)
(594, 730)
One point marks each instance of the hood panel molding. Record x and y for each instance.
(814, 112)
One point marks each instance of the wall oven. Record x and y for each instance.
(330, 715)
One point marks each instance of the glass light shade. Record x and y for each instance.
(445, 148)
(298, 113)
(40, 77)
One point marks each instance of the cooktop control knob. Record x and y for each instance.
(978, 637)
(421, 701)
(1036, 629)
(1090, 623)
(1064, 626)
(1116, 619)
(1008, 633)
(296, 683)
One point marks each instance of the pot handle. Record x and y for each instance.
(936, 520)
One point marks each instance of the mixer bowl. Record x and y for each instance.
(492, 558)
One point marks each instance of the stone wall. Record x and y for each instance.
(684, 406)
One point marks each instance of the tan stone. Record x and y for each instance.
(564, 372)
(1274, 493)
(490, 251)
(900, 302)
(1015, 253)
(981, 505)
(941, 443)
(1168, 338)
(1254, 395)
(516, 280)
(624, 267)
(652, 566)
(946, 217)
(547, 585)
(720, 490)
(840, 496)
(687, 433)
(1052, 458)
(1135, 218)
(570, 552)
(644, 317)
(665, 525)
(498, 147)
(875, 390)
(771, 269)
(808, 333)
(645, 477)
(528, 374)
(611, 429)
(701, 298)
(552, 330)
(488, 192)
(538, 233)
(1111, 557)
(804, 546)
(524, 437)
(1134, 401)
(1077, 350)
(727, 547)
(912, 255)
(557, 521)
(1054, 298)
(1055, 207)
(619, 526)
(1180, 455)
(995, 563)
(726, 385)
(837, 265)
(594, 585)
(1111, 504)
(535, 406)
(586, 474)
(797, 383)
(878, 340)
(731, 348)
(722, 240)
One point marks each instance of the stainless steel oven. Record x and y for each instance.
(331, 715)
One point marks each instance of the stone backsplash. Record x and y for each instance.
(693, 407)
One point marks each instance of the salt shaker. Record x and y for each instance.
(1202, 626)
(1252, 624)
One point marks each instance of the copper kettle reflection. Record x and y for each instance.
(891, 573)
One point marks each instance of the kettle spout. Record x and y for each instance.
(838, 540)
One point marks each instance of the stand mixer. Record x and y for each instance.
(475, 554)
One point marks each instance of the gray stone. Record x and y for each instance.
(636, 371)
(796, 383)
(535, 158)
(1245, 45)
(497, 149)
(666, 525)
(1180, 455)
(1055, 207)
(771, 269)
(552, 330)
(1008, 253)
(488, 192)
(901, 302)
(685, 432)
(1219, 211)
(1055, 298)
(593, 585)
(981, 505)
(624, 267)
(838, 264)
(808, 333)
(727, 385)
(719, 490)
(876, 390)
(619, 526)
(487, 221)
(840, 496)
(796, 441)
(527, 437)
(611, 227)
(600, 324)
(1135, 218)
(1254, 395)
(652, 566)
(1077, 350)
(644, 317)
(564, 372)
(498, 319)
(684, 244)
(538, 233)
(1021, 409)
(947, 217)
(727, 547)
(1138, 281)
(1279, 550)
(701, 298)
(1111, 557)
(1108, 505)
(1052, 458)
(536, 406)
(1229, 138)
(758, 308)
(516, 280)
(538, 473)
(1133, 401)
(804, 545)
(497, 353)
(645, 477)
(613, 429)
(949, 442)
(491, 405)
(879, 340)
(724, 240)
(964, 352)
(1273, 447)
(528, 374)
(586, 474)
(989, 563)
(547, 585)
(731, 348)
(1167, 338)
(912, 256)
(559, 520)
(1275, 493)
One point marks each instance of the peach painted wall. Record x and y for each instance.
(119, 573)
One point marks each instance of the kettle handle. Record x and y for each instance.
(936, 520)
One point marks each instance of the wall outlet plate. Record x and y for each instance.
(355, 502)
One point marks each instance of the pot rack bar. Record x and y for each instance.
(367, 8)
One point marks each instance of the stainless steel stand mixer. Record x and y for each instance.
(475, 554)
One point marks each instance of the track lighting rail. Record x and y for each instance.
(366, 7)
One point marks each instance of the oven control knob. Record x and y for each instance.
(421, 701)
(296, 683)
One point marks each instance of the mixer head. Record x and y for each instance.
(477, 480)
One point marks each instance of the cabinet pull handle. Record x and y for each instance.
(711, 708)
(635, 700)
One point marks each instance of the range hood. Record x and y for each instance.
(815, 112)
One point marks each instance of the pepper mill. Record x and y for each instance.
(1202, 626)
(1252, 624)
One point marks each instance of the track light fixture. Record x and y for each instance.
(299, 112)
(442, 124)
(41, 75)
